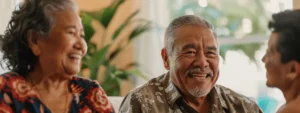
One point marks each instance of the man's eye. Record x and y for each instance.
(190, 52)
(211, 54)
(82, 36)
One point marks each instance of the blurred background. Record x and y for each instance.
(125, 38)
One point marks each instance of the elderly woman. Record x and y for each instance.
(43, 46)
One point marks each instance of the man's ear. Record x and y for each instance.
(294, 70)
(165, 58)
(32, 39)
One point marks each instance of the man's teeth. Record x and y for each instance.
(75, 56)
(208, 75)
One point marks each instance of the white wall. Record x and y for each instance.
(148, 46)
(2, 70)
(6, 8)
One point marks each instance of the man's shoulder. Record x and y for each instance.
(234, 101)
(153, 85)
(150, 96)
(233, 97)
(291, 107)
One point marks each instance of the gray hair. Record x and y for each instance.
(35, 15)
(179, 22)
(42, 12)
(51, 7)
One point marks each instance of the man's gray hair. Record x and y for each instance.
(179, 22)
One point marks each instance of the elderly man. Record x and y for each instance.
(191, 56)
(282, 59)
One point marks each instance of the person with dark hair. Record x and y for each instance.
(282, 59)
(43, 46)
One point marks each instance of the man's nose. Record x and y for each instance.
(201, 60)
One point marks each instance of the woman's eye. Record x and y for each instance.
(82, 36)
(71, 32)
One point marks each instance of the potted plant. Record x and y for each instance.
(96, 58)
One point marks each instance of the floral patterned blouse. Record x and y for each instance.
(16, 96)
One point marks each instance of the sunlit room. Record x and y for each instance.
(124, 40)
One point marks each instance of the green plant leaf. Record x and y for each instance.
(85, 61)
(96, 60)
(105, 15)
(92, 48)
(123, 75)
(139, 30)
(87, 25)
(124, 24)
(111, 84)
(98, 57)
(94, 73)
(138, 73)
(130, 65)
(114, 54)
(111, 87)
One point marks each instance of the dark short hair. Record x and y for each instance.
(287, 24)
(35, 15)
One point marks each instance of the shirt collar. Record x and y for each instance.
(172, 93)
(217, 98)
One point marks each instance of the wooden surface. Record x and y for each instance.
(296, 4)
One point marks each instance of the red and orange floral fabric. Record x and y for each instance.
(17, 96)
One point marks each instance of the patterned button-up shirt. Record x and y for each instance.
(160, 95)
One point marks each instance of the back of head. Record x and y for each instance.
(179, 22)
(30, 15)
(287, 24)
